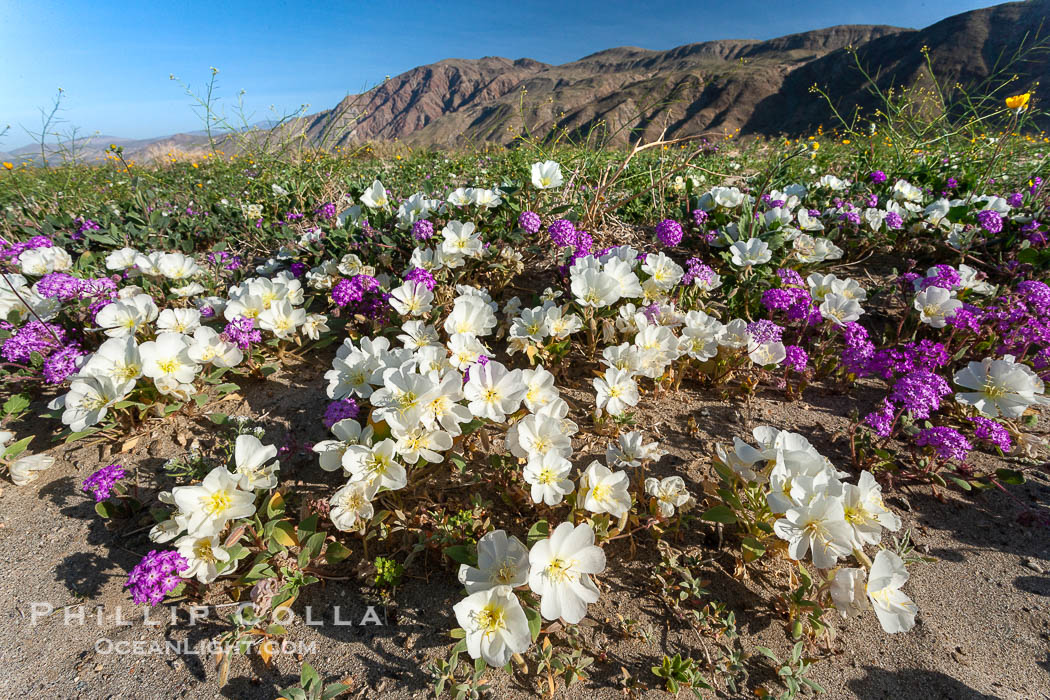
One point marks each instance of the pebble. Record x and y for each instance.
(1033, 565)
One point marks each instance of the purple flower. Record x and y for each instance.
(669, 232)
(920, 392)
(34, 337)
(797, 359)
(422, 276)
(990, 220)
(762, 332)
(529, 222)
(422, 230)
(100, 484)
(893, 221)
(990, 431)
(562, 233)
(326, 210)
(60, 364)
(789, 277)
(877, 176)
(699, 217)
(243, 332)
(340, 410)
(947, 443)
(1015, 200)
(882, 420)
(156, 576)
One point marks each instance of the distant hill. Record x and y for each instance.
(756, 87)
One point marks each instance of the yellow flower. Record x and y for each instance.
(9, 166)
(1018, 102)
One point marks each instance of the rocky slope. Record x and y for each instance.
(758, 87)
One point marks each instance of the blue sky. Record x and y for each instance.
(113, 59)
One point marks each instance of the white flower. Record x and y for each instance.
(179, 320)
(840, 309)
(493, 391)
(485, 199)
(539, 387)
(819, 526)
(895, 610)
(751, 252)
(127, 316)
(1001, 386)
(252, 463)
(352, 505)
(537, 435)
(623, 272)
(417, 442)
(375, 196)
(865, 512)
(615, 391)
(375, 465)
(847, 592)
(314, 325)
(461, 239)
(188, 290)
(495, 625)
(604, 491)
(630, 450)
(27, 469)
(663, 272)
(935, 305)
(669, 493)
(412, 299)
(90, 398)
(204, 555)
(560, 572)
(470, 315)
(594, 288)
(208, 347)
(767, 354)
(282, 319)
(546, 175)
(41, 261)
(121, 259)
(211, 503)
(502, 561)
(548, 475)
(168, 358)
(347, 432)
(176, 266)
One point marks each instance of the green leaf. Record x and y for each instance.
(314, 544)
(719, 514)
(224, 389)
(104, 509)
(16, 404)
(535, 622)
(335, 553)
(309, 675)
(17, 448)
(73, 437)
(462, 554)
(1009, 476)
(334, 690)
(218, 418)
(961, 483)
(537, 532)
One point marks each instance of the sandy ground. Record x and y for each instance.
(983, 630)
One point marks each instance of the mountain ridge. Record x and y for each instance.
(726, 86)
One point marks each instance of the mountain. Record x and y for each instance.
(758, 87)
(714, 87)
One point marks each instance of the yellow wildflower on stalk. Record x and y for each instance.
(1018, 102)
